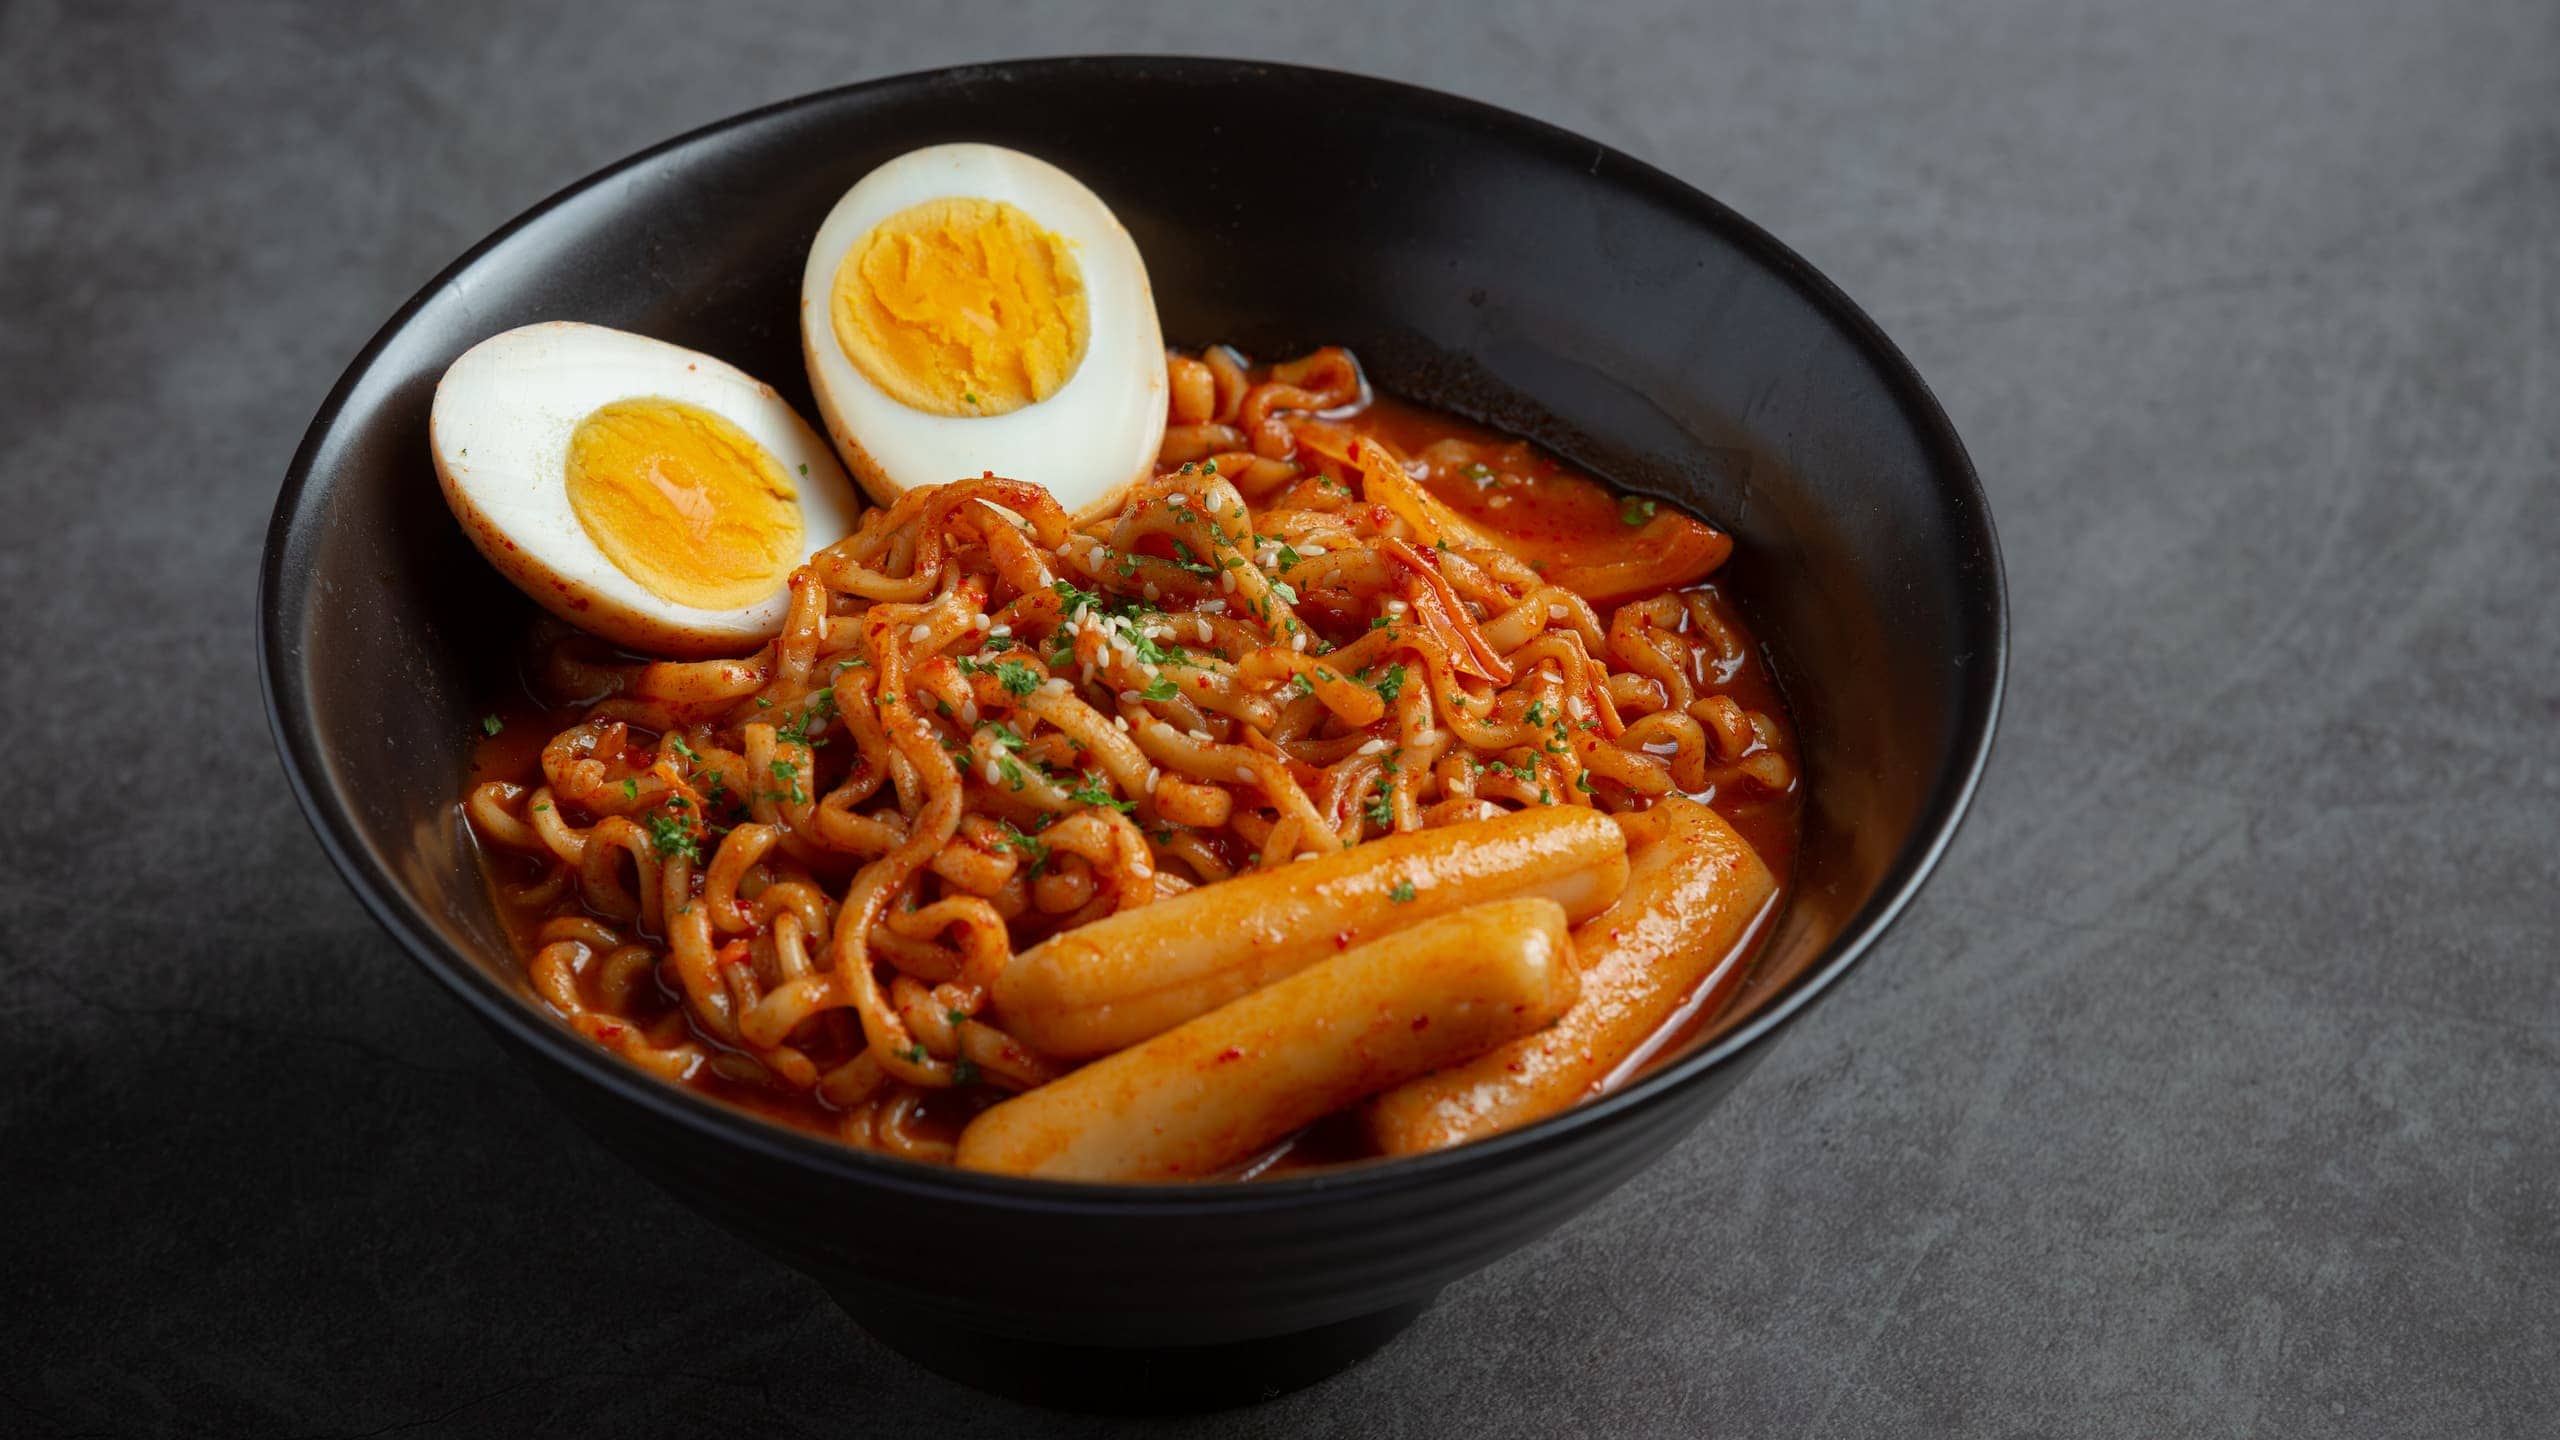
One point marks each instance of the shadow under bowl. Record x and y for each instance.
(1475, 260)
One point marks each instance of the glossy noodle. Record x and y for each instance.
(818, 879)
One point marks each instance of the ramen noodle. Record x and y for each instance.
(1364, 782)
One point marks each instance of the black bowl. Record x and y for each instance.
(1474, 259)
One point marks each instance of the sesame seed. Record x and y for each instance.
(1298, 641)
(992, 773)
(1055, 685)
(1128, 697)
(1372, 747)
(1245, 773)
(1151, 592)
(1151, 782)
(1178, 497)
(1201, 628)
(999, 629)
(1557, 610)
(1120, 720)
(1304, 855)
(1311, 551)
(980, 622)
(1200, 735)
(1227, 581)
(1213, 607)
(920, 634)
(968, 712)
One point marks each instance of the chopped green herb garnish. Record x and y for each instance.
(1161, 690)
(803, 731)
(1025, 845)
(1090, 791)
(673, 835)
(1381, 809)
(1016, 677)
(1402, 894)
(1392, 684)
(491, 724)
(1075, 598)
(630, 788)
(1537, 712)
(1635, 510)
(964, 1071)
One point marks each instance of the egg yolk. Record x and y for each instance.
(684, 502)
(962, 307)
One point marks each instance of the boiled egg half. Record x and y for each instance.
(969, 309)
(641, 491)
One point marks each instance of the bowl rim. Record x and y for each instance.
(1986, 613)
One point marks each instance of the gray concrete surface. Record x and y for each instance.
(2210, 1091)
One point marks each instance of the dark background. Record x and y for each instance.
(2211, 1088)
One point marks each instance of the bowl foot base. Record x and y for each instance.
(1111, 1379)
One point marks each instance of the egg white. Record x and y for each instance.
(1086, 442)
(500, 428)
